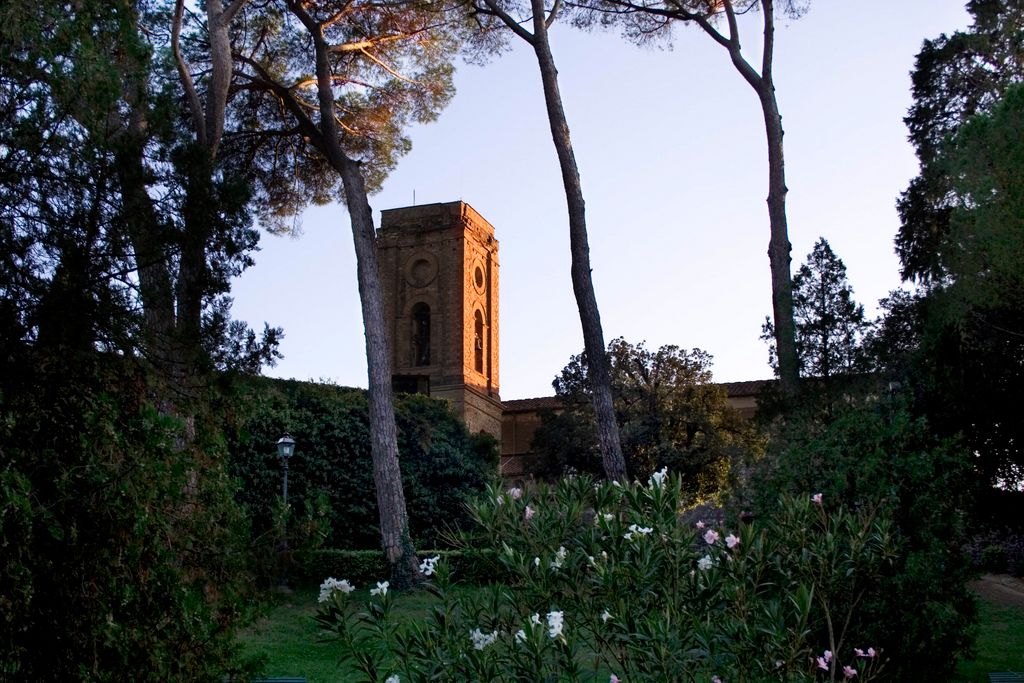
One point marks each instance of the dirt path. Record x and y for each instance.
(1000, 589)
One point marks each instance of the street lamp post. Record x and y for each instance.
(285, 450)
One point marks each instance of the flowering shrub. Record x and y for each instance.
(597, 581)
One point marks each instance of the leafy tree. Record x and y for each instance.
(442, 464)
(129, 559)
(829, 323)
(540, 17)
(669, 413)
(955, 77)
(973, 337)
(644, 21)
(125, 554)
(960, 238)
(326, 103)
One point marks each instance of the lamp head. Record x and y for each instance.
(285, 446)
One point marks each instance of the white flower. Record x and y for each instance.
(515, 493)
(331, 585)
(559, 557)
(428, 565)
(606, 615)
(520, 636)
(481, 639)
(705, 563)
(555, 623)
(381, 589)
(535, 619)
(635, 529)
(393, 679)
(500, 500)
(536, 562)
(658, 478)
(732, 541)
(608, 516)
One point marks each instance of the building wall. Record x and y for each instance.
(444, 256)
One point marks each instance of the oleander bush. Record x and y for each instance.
(872, 451)
(597, 581)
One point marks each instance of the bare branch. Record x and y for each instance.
(232, 9)
(387, 68)
(553, 14)
(515, 26)
(361, 45)
(194, 105)
(768, 8)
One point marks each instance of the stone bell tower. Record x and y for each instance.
(439, 268)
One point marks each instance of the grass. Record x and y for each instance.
(288, 638)
(1000, 643)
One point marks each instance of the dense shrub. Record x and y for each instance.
(441, 462)
(364, 567)
(593, 579)
(121, 555)
(869, 452)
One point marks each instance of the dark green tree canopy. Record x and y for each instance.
(669, 413)
(955, 77)
(829, 323)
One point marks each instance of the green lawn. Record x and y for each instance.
(288, 637)
(1000, 643)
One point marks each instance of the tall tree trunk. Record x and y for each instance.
(193, 271)
(582, 281)
(151, 259)
(387, 477)
(779, 247)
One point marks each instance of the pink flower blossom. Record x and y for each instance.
(515, 493)
(528, 512)
(732, 541)
(613, 679)
(828, 655)
(849, 671)
(822, 664)
(859, 652)
(699, 524)
(871, 652)
(716, 679)
(711, 536)
(816, 498)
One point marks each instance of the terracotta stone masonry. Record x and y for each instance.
(439, 267)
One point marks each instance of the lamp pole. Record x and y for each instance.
(285, 450)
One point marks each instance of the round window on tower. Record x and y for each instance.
(420, 270)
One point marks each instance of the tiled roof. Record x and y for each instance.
(732, 389)
(750, 388)
(540, 403)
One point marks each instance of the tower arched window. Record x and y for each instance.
(421, 334)
(478, 342)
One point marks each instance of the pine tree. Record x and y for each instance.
(829, 323)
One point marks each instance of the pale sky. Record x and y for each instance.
(671, 151)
